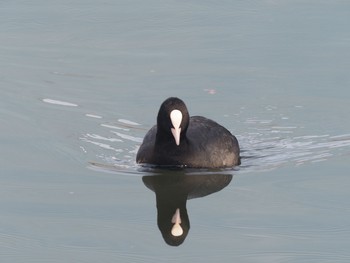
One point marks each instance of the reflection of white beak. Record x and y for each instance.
(176, 118)
(176, 230)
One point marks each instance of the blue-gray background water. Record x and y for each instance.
(82, 81)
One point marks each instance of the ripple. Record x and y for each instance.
(93, 116)
(114, 127)
(59, 102)
(267, 145)
(102, 145)
(99, 137)
(128, 137)
(128, 122)
(95, 139)
(261, 153)
(116, 166)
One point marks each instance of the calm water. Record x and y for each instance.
(81, 83)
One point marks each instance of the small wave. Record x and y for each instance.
(102, 145)
(114, 127)
(99, 137)
(93, 116)
(116, 167)
(129, 122)
(269, 153)
(258, 153)
(59, 102)
(267, 145)
(127, 137)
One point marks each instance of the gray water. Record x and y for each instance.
(82, 81)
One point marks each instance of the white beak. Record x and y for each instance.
(176, 230)
(176, 118)
(176, 133)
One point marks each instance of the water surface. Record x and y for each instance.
(81, 83)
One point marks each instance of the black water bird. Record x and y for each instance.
(181, 140)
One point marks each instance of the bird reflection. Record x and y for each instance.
(173, 189)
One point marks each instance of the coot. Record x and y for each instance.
(181, 140)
